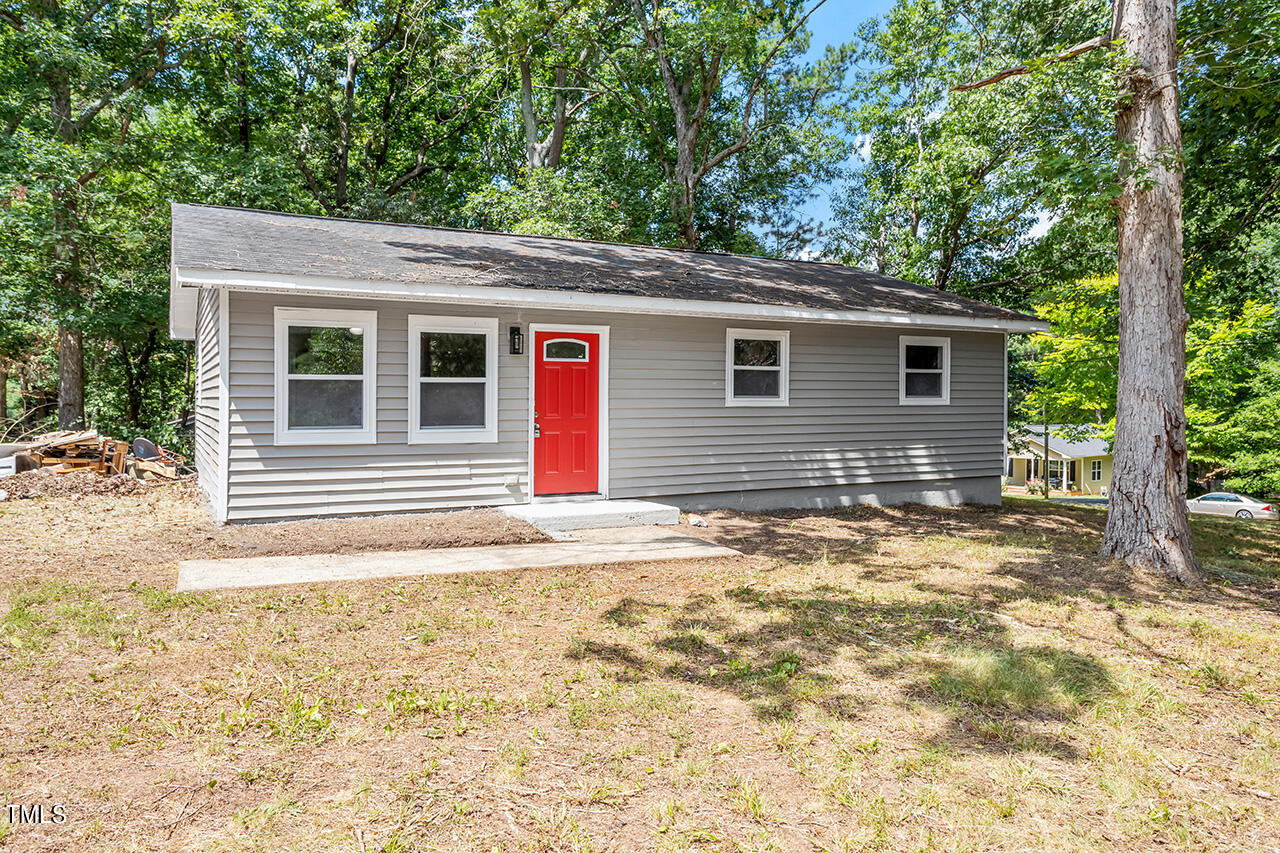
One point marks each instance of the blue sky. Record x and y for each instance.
(835, 23)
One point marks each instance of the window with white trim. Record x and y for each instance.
(565, 349)
(924, 370)
(757, 364)
(325, 364)
(1095, 470)
(453, 379)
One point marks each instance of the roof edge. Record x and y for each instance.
(472, 294)
(911, 285)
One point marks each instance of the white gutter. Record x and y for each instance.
(475, 294)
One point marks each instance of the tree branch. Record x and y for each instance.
(1083, 47)
(136, 81)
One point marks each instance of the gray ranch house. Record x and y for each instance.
(347, 367)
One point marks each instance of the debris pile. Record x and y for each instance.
(42, 482)
(90, 464)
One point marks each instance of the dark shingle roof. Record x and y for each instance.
(234, 239)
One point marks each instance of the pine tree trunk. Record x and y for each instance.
(1147, 525)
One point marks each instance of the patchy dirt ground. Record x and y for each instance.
(83, 537)
(905, 679)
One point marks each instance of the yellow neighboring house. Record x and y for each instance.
(1076, 467)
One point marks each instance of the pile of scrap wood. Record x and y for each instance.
(78, 451)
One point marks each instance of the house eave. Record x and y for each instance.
(513, 297)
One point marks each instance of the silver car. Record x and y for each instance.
(1225, 503)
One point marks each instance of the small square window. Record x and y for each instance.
(325, 368)
(757, 367)
(924, 370)
(453, 389)
(1095, 470)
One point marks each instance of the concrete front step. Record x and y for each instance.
(583, 515)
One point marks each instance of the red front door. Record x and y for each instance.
(566, 413)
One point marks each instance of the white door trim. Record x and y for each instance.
(602, 472)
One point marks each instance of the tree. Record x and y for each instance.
(550, 204)
(1076, 362)
(1147, 521)
(727, 77)
(952, 191)
(87, 71)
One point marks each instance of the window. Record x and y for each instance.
(924, 370)
(324, 376)
(565, 349)
(757, 363)
(1095, 470)
(453, 379)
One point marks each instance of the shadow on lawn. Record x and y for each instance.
(1242, 558)
(949, 654)
(773, 649)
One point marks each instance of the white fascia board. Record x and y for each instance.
(513, 297)
(183, 304)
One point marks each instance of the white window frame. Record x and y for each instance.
(487, 326)
(945, 371)
(783, 337)
(550, 341)
(367, 321)
(1095, 471)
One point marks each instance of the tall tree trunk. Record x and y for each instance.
(244, 124)
(346, 117)
(66, 256)
(4, 392)
(1147, 525)
(70, 378)
(683, 198)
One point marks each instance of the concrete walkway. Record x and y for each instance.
(592, 548)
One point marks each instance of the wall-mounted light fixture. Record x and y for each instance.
(517, 341)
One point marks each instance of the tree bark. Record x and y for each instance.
(543, 153)
(66, 255)
(70, 378)
(4, 393)
(1147, 525)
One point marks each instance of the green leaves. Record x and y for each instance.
(1233, 372)
(950, 186)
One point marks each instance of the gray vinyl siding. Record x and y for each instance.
(670, 433)
(208, 395)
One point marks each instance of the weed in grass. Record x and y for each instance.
(456, 706)
(666, 813)
(302, 718)
(748, 800)
(1212, 675)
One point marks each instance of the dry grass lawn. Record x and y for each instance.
(898, 679)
